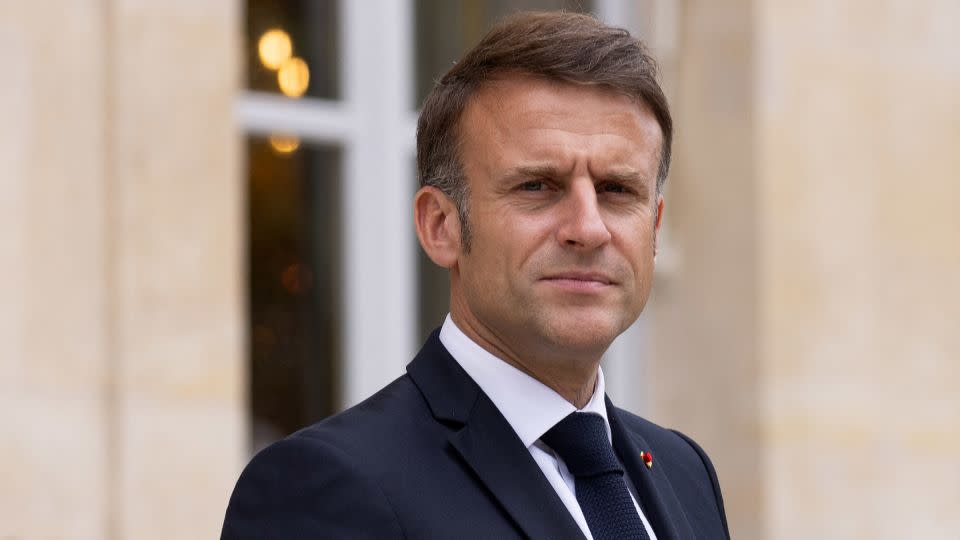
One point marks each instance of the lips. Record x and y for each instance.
(595, 278)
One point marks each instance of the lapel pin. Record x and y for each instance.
(647, 459)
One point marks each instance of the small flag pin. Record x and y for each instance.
(647, 459)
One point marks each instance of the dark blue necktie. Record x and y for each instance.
(581, 441)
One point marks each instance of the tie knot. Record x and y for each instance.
(581, 441)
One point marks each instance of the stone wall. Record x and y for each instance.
(809, 337)
(121, 362)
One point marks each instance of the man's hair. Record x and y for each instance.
(558, 46)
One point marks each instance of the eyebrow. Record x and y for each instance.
(625, 175)
(531, 171)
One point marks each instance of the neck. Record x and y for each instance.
(573, 378)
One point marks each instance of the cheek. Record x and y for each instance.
(511, 241)
(636, 244)
(487, 267)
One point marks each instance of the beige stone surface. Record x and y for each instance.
(704, 374)
(53, 361)
(808, 336)
(182, 458)
(178, 265)
(54, 466)
(121, 361)
(859, 116)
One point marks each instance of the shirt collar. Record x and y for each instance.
(528, 405)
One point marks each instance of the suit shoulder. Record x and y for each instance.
(307, 488)
(369, 425)
(655, 434)
(323, 481)
(671, 443)
(691, 470)
(712, 474)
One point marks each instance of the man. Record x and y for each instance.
(542, 155)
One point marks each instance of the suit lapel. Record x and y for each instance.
(492, 449)
(657, 498)
(489, 446)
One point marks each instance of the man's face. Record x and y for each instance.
(563, 213)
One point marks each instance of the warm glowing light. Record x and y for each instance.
(275, 48)
(293, 77)
(284, 144)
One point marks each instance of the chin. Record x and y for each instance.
(585, 333)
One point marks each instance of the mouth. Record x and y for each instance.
(579, 281)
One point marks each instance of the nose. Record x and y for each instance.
(582, 226)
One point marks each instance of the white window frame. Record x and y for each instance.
(375, 126)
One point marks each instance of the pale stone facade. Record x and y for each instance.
(807, 332)
(810, 338)
(121, 363)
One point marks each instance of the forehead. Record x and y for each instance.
(520, 112)
(522, 93)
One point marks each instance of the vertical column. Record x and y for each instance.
(705, 371)
(858, 113)
(378, 276)
(177, 266)
(808, 335)
(53, 321)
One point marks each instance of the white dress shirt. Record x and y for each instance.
(531, 408)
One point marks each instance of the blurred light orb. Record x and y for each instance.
(275, 48)
(284, 144)
(293, 77)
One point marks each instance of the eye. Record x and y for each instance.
(533, 185)
(613, 187)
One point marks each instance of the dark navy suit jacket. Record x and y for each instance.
(430, 456)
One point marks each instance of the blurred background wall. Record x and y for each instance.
(815, 304)
(205, 206)
(121, 237)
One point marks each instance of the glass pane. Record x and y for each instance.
(292, 47)
(294, 302)
(446, 29)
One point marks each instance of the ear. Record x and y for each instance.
(438, 226)
(656, 226)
